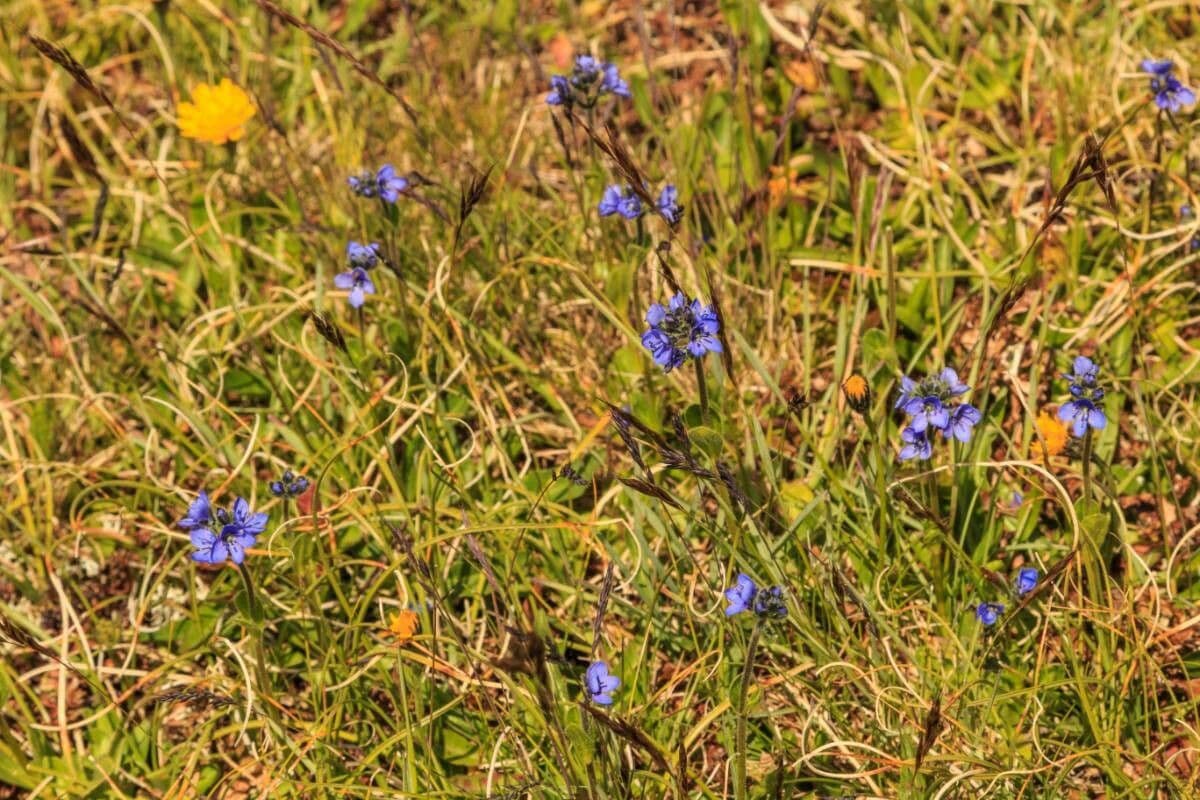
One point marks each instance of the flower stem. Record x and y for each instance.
(740, 790)
(1087, 465)
(703, 387)
(262, 677)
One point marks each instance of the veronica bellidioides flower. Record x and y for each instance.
(289, 485)
(618, 200)
(219, 535)
(988, 613)
(589, 80)
(600, 685)
(383, 183)
(668, 204)
(1027, 580)
(1083, 409)
(680, 331)
(932, 407)
(745, 595)
(1169, 93)
(356, 279)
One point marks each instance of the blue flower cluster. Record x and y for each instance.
(289, 485)
(588, 81)
(357, 280)
(680, 331)
(745, 595)
(1083, 409)
(1026, 582)
(384, 184)
(929, 404)
(624, 201)
(1169, 93)
(219, 535)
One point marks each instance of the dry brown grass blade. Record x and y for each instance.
(933, 727)
(650, 490)
(632, 735)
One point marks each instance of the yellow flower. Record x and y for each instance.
(218, 114)
(1053, 431)
(403, 625)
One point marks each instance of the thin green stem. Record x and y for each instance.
(740, 790)
(1087, 465)
(703, 388)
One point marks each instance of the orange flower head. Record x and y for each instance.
(858, 393)
(403, 625)
(1051, 430)
(217, 114)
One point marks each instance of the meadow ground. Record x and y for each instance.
(497, 484)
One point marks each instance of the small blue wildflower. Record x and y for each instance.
(238, 530)
(916, 445)
(289, 485)
(1027, 579)
(612, 82)
(932, 406)
(199, 513)
(1084, 372)
(769, 603)
(1185, 211)
(358, 282)
(384, 183)
(364, 256)
(680, 331)
(1017, 500)
(589, 80)
(391, 185)
(741, 595)
(364, 184)
(1169, 93)
(668, 204)
(963, 419)
(1083, 409)
(988, 613)
(600, 684)
(560, 91)
(623, 201)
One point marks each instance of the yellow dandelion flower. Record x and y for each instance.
(1053, 432)
(217, 114)
(403, 625)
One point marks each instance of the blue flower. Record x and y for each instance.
(908, 388)
(668, 204)
(1085, 372)
(1082, 414)
(289, 485)
(363, 256)
(928, 412)
(1083, 409)
(199, 513)
(238, 530)
(963, 418)
(601, 685)
(384, 183)
(364, 184)
(933, 406)
(391, 185)
(916, 445)
(769, 603)
(741, 595)
(1027, 579)
(1169, 93)
(612, 82)
(590, 79)
(680, 331)
(623, 201)
(988, 613)
(358, 282)
(560, 91)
